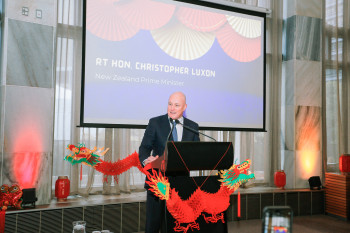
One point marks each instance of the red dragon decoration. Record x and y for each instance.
(185, 212)
(9, 196)
(91, 158)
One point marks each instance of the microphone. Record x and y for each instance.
(193, 130)
(171, 130)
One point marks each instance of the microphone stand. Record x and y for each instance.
(167, 139)
(171, 130)
(193, 130)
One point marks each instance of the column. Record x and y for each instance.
(301, 92)
(27, 95)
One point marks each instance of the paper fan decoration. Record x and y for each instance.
(103, 20)
(200, 20)
(181, 42)
(146, 14)
(249, 28)
(238, 47)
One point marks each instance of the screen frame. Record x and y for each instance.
(221, 5)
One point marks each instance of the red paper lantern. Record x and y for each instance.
(344, 163)
(62, 188)
(280, 179)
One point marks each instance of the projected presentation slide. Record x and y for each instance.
(138, 52)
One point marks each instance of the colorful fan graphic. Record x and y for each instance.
(187, 37)
(103, 20)
(238, 47)
(200, 20)
(180, 42)
(249, 28)
(146, 14)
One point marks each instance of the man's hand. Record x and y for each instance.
(150, 159)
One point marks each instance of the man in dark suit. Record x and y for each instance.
(154, 141)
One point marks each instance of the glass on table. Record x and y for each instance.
(79, 227)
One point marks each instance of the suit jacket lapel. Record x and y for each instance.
(166, 127)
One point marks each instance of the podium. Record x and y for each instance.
(182, 157)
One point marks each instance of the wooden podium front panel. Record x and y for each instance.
(338, 194)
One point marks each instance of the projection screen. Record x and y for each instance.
(137, 52)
